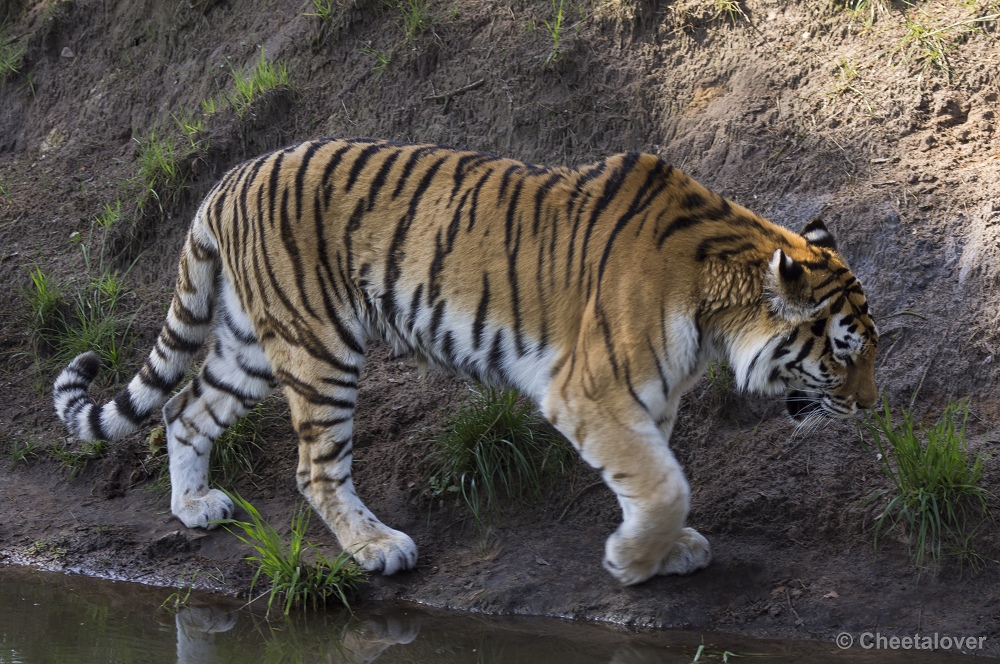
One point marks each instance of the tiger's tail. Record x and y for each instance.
(187, 327)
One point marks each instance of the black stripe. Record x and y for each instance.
(359, 163)
(126, 407)
(175, 342)
(188, 317)
(479, 324)
(334, 455)
(345, 383)
(381, 177)
(217, 383)
(300, 175)
(408, 167)
(95, 423)
(436, 318)
(656, 181)
(331, 165)
(611, 188)
(149, 376)
(677, 225)
(540, 194)
(214, 417)
(475, 198)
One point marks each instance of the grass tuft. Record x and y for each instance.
(44, 298)
(76, 461)
(720, 376)
(935, 494)
(236, 451)
(322, 9)
(413, 14)
(19, 451)
(90, 320)
(11, 55)
(555, 28)
(495, 448)
(160, 175)
(301, 576)
(381, 59)
(110, 215)
(262, 78)
(730, 10)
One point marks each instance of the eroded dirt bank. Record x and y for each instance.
(796, 110)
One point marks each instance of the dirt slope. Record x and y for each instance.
(794, 109)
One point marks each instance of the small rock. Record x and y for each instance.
(67, 52)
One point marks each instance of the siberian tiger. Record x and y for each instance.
(601, 292)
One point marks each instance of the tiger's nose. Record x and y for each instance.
(866, 397)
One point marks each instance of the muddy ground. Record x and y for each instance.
(794, 109)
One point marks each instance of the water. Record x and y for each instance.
(50, 618)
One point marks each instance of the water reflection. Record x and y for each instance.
(54, 618)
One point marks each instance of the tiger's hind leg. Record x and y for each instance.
(322, 393)
(234, 378)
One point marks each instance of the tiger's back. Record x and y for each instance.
(601, 292)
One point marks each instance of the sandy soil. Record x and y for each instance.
(796, 110)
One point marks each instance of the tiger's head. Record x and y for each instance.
(823, 354)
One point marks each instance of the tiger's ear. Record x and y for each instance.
(816, 233)
(790, 295)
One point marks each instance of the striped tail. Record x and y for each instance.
(187, 327)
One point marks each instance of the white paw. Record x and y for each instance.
(690, 552)
(390, 551)
(632, 560)
(202, 511)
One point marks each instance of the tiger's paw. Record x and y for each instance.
(203, 511)
(633, 561)
(390, 551)
(690, 552)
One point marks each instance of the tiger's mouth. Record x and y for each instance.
(801, 406)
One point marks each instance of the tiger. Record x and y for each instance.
(601, 292)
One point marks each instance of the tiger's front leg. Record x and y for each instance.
(322, 398)
(623, 442)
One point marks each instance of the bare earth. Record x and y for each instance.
(795, 109)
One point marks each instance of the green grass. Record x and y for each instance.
(495, 448)
(729, 10)
(258, 80)
(301, 576)
(322, 9)
(19, 451)
(76, 461)
(381, 59)
(208, 106)
(181, 598)
(720, 376)
(235, 452)
(193, 129)
(110, 215)
(44, 298)
(160, 176)
(11, 55)
(867, 11)
(930, 45)
(4, 190)
(555, 28)
(91, 319)
(413, 14)
(935, 494)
